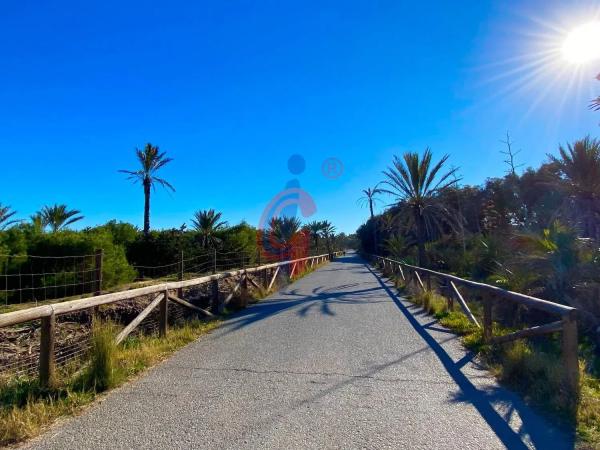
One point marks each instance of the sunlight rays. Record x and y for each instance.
(546, 62)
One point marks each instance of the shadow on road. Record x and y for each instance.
(533, 426)
(321, 299)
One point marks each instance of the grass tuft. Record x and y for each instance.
(431, 302)
(100, 374)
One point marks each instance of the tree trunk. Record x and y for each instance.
(146, 207)
(421, 238)
(371, 207)
(375, 249)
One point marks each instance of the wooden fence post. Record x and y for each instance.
(180, 277)
(570, 353)
(164, 315)
(99, 261)
(47, 363)
(401, 273)
(487, 319)
(265, 278)
(216, 304)
(244, 290)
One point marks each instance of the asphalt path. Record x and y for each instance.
(334, 360)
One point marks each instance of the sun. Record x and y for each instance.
(582, 44)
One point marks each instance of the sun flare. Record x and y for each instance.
(582, 44)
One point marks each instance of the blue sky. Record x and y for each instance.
(231, 89)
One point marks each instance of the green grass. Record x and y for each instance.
(532, 369)
(306, 270)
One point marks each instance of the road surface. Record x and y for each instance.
(335, 360)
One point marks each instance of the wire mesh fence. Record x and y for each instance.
(28, 278)
(20, 344)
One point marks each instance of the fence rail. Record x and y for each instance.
(567, 323)
(165, 293)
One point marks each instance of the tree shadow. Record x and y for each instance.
(533, 426)
(320, 299)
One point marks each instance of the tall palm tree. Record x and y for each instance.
(315, 229)
(151, 161)
(58, 217)
(208, 222)
(328, 231)
(579, 164)
(370, 198)
(6, 213)
(417, 184)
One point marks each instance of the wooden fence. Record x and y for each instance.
(164, 293)
(566, 323)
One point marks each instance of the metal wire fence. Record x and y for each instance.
(27, 278)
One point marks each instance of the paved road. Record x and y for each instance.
(335, 360)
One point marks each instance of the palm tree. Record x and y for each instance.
(208, 223)
(328, 231)
(57, 217)
(579, 164)
(595, 104)
(550, 259)
(417, 185)
(37, 222)
(5, 217)
(315, 229)
(151, 161)
(396, 246)
(284, 232)
(369, 198)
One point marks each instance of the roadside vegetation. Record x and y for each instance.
(536, 232)
(43, 244)
(26, 409)
(43, 260)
